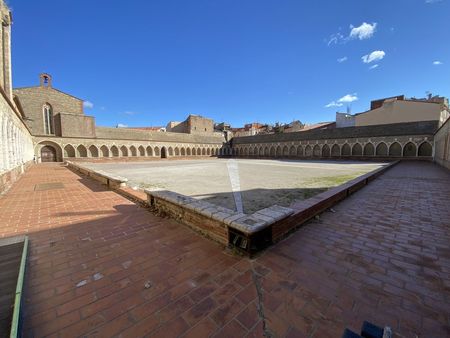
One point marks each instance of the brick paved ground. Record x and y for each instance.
(383, 256)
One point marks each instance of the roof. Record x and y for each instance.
(32, 87)
(395, 129)
(317, 126)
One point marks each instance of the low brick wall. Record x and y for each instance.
(113, 182)
(9, 177)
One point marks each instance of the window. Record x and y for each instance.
(48, 119)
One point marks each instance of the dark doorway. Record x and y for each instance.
(48, 154)
(163, 152)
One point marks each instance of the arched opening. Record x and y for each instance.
(357, 150)
(335, 150)
(194, 152)
(114, 151)
(381, 149)
(203, 151)
(47, 111)
(255, 151)
(177, 151)
(425, 149)
(133, 151)
(82, 151)
(157, 151)
(308, 151)
(188, 151)
(69, 151)
(285, 151)
(183, 152)
(170, 151)
(124, 151)
(93, 151)
(48, 154)
(141, 150)
(369, 150)
(346, 150)
(300, 151)
(272, 151)
(292, 151)
(316, 151)
(266, 152)
(163, 152)
(325, 151)
(208, 152)
(278, 152)
(104, 151)
(261, 151)
(409, 150)
(395, 149)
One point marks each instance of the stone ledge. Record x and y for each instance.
(111, 181)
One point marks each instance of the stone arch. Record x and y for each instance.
(163, 152)
(124, 151)
(170, 151)
(208, 152)
(300, 151)
(409, 150)
(177, 151)
(188, 151)
(203, 151)
(193, 151)
(278, 152)
(346, 150)
(48, 151)
(69, 151)
(149, 151)
(266, 151)
(141, 151)
(395, 149)
(183, 151)
(357, 150)
(369, 150)
(104, 151)
(114, 151)
(272, 151)
(292, 151)
(133, 151)
(326, 150)
(425, 149)
(308, 151)
(381, 149)
(93, 151)
(285, 151)
(316, 151)
(81, 151)
(255, 151)
(157, 151)
(335, 150)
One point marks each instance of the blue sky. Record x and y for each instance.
(144, 63)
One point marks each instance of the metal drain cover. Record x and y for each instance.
(48, 186)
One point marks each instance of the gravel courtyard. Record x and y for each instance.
(260, 183)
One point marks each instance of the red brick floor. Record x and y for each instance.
(100, 265)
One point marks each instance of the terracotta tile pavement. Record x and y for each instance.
(100, 265)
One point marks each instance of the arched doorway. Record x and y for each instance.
(163, 152)
(48, 154)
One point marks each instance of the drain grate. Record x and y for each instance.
(48, 186)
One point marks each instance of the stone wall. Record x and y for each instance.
(442, 145)
(69, 148)
(33, 100)
(412, 140)
(75, 125)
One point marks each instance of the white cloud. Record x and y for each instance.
(376, 55)
(437, 63)
(121, 125)
(334, 104)
(432, 1)
(343, 59)
(365, 31)
(335, 39)
(348, 98)
(344, 99)
(88, 104)
(374, 66)
(130, 113)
